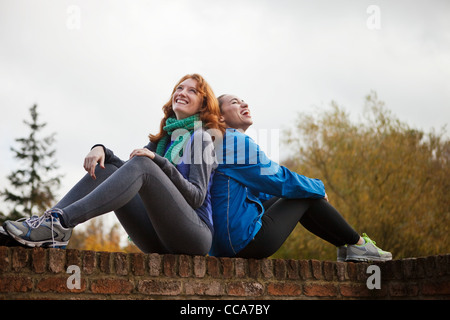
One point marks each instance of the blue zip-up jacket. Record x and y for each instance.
(244, 178)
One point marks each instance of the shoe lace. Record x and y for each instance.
(367, 239)
(35, 221)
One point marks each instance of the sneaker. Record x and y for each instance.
(44, 231)
(341, 253)
(367, 252)
(7, 241)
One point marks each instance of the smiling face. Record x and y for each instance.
(235, 112)
(186, 101)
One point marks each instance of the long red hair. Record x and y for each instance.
(209, 111)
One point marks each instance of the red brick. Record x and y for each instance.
(411, 268)
(354, 290)
(292, 269)
(137, 264)
(154, 264)
(362, 274)
(280, 269)
(58, 284)
(408, 289)
(351, 271)
(341, 271)
(391, 270)
(121, 263)
(244, 289)
(358, 271)
(202, 288)
(199, 266)
(267, 268)
(316, 268)
(73, 256)
(39, 260)
(15, 284)
(284, 289)
(170, 265)
(213, 266)
(328, 270)
(421, 267)
(20, 258)
(159, 287)
(89, 262)
(254, 268)
(228, 267)
(430, 266)
(320, 290)
(361, 290)
(240, 267)
(56, 260)
(436, 287)
(443, 265)
(305, 269)
(4, 259)
(185, 266)
(104, 259)
(112, 286)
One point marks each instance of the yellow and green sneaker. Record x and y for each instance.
(367, 252)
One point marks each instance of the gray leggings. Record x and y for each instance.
(148, 205)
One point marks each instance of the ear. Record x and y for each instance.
(221, 119)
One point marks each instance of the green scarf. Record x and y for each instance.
(175, 151)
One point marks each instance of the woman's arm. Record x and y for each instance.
(100, 155)
(94, 157)
(201, 161)
(255, 170)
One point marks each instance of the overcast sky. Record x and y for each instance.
(100, 71)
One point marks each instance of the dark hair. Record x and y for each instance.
(220, 100)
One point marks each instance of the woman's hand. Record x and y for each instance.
(144, 152)
(96, 155)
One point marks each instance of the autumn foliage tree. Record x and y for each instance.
(97, 236)
(386, 178)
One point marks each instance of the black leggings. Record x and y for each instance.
(282, 216)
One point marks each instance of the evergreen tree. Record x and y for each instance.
(32, 183)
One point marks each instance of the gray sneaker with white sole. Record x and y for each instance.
(367, 252)
(44, 231)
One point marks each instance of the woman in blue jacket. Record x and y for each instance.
(257, 203)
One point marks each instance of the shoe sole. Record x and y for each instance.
(367, 259)
(35, 244)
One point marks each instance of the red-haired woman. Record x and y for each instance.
(160, 195)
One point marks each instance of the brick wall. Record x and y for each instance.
(43, 274)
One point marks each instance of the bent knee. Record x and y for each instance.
(142, 161)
